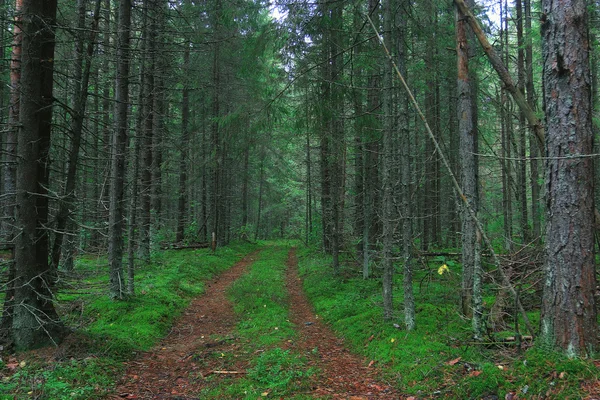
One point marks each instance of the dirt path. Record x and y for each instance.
(344, 375)
(176, 367)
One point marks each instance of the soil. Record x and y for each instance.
(344, 375)
(176, 368)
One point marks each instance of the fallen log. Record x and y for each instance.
(179, 246)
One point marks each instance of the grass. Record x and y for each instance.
(260, 300)
(438, 359)
(113, 331)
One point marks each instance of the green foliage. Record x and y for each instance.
(260, 297)
(90, 378)
(439, 358)
(279, 370)
(113, 331)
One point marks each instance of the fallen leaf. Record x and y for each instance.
(562, 375)
(12, 366)
(475, 373)
(22, 364)
(371, 363)
(453, 362)
(264, 394)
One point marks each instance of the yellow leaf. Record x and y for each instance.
(442, 269)
(392, 340)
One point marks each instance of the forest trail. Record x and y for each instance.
(176, 368)
(344, 374)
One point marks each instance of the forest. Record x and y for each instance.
(331, 199)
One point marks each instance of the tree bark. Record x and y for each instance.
(185, 138)
(119, 148)
(522, 136)
(10, 171)
(471, 242)
(569, 309)
(386, 168)
(406, 179)
(82, 78)
(146, 184)
(35, 321)
(496, 61)
(533, 148)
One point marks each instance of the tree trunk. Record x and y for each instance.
(148, 62)
(569, 309)
(533, 148)
(104, 199)
(503, 72)
(406, 178)
(35, 321)
(386, 168)
(10, 157)
(467, 109)
(522, 137)
(216, 148)
(158, 116)
(82, 78)
(185, 138)
(119, 148)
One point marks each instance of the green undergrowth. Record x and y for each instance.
(439, 359)
(260, 300)
(110, 332)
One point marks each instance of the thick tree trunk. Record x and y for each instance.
(119, 148)
(35, 321)
(10, 172)
(569, 308)
(466, 109)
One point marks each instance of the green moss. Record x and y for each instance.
(260, 300)
(113, 331)
(418, 361)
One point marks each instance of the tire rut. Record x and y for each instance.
(344, 375)
(175, 368)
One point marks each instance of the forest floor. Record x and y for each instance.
(178, 367)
